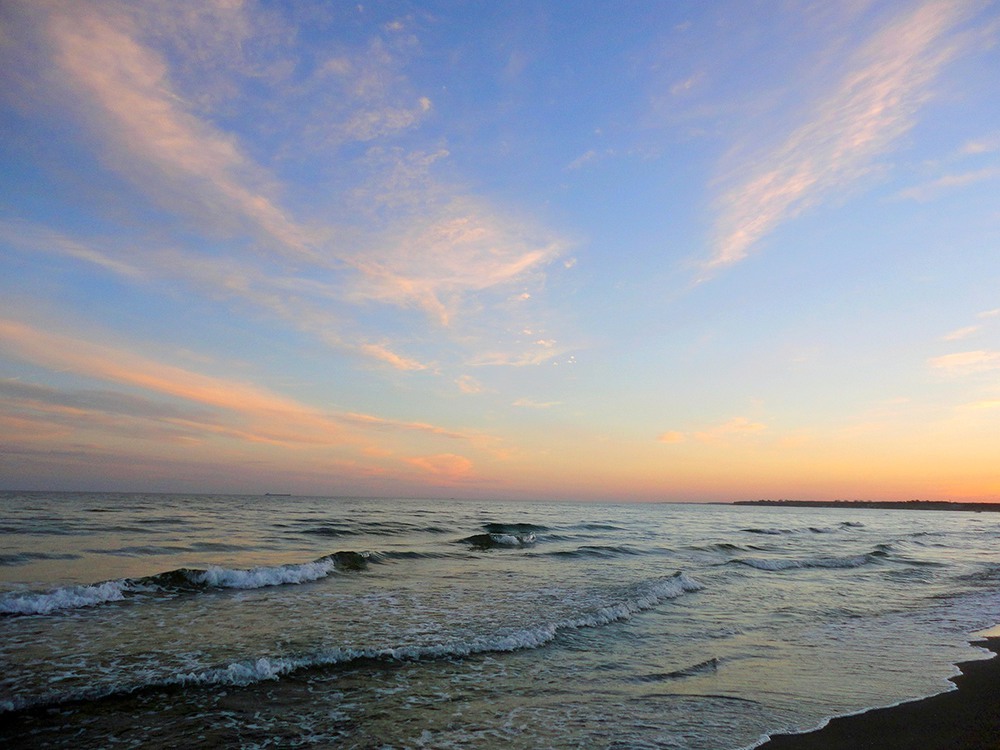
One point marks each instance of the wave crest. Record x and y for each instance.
(179, 581)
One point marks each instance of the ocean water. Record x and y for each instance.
(153, 621)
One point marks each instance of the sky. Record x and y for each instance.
(656, 250)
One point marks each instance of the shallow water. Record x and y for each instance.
(167, 620)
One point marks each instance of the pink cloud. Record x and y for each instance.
(872, 105)
(448, 466)
(152, 139)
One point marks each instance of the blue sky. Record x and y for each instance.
(677, 251)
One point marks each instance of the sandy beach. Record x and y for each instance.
(964, 719)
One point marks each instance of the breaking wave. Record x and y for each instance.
(249, 671)
(180, 580)
(499, 541)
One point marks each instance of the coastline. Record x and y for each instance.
(967, 718)
(877, 505)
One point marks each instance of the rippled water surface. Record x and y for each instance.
(192, 620)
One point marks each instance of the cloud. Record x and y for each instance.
(224, 407)
(995, 313)
(446, 466)
(382, 353)
(155, 88)
(931, 190)
(466, 248)
(527, 403)
(874, 103)
(37, 238)
(966, 363)
(468, 384)
(682, 87)
(94, 400)
(371, 102)
(987, 145)
(672, 437)
(157, 143)
(737, 427)
(961, 333)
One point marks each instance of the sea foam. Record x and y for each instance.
(68, 597)
(178, 581)
(265, 668)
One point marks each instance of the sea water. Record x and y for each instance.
(204, 621)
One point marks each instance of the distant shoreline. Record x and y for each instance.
(878, 504)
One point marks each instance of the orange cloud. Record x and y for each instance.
(449, 466)
(255, 414)
(735, 427)
(966, 363)
(672, 437)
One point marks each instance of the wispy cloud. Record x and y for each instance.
(157, 143)
(931, 190)
(961, 333)
(671, 437)
(988, 145)
(468, 384)
(39, 239)
(467, 248)
(737, 427)
(528, 403)
(966, 363)
(844, 132)
(382, 353)
(206, 404)
(443, 466)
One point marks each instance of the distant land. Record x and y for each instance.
(882, 504)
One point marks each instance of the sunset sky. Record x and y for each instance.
(643, 250)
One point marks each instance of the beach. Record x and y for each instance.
(966, 718)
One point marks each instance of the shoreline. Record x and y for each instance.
(939, 505)
(966, 718)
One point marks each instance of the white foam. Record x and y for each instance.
(75, 597)
(272, 668)
(513, 540)
(70, 597)
(256, 578)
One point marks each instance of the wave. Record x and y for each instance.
(67, 597)
(514, 528)
(810, 529)
(726, 547)
(769, 532)
(24, 558)
(499, 541)
(597, 551)
(704, 667)
(179, 581)
(250, 671)
(776, 564)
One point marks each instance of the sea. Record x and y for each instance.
(165, 621)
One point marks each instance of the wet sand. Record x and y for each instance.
(964, 719)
